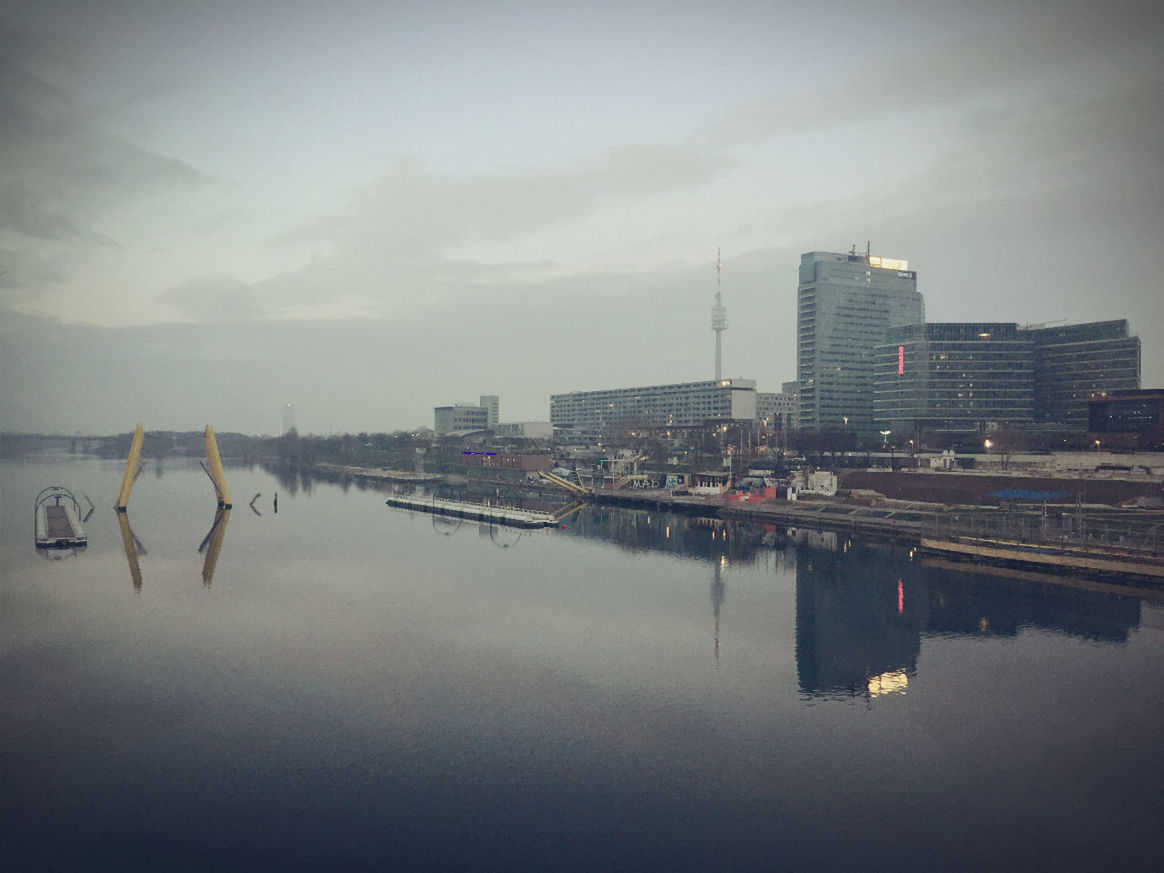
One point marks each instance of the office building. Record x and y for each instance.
(482, 415)
(459, 417)
(845, 304)
(491, 403)
(968, 377)
(953, 378)
(1074, 362)
(776, 410)
(1127, 419)
(598, 415)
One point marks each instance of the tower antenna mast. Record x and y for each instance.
(718, 318)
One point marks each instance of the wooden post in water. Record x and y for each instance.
(131, 465)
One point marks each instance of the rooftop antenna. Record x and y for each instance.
(868, 248)
(718, 319)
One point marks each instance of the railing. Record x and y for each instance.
(1080, 532)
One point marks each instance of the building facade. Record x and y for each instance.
(460, 416)
(530, 430)
(845, 304)
(491, 403)
(1127, 419)
(953, 378)
(1076, 361)
(969, 377)
(599, 414)
(775, 410)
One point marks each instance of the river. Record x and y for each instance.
(343, 685)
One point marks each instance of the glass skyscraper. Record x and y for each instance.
(956, 378)
(1076, 361)
(845, 304)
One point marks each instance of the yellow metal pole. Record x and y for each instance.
(130, 468)
(216, 471)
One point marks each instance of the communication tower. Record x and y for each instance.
(718, 319)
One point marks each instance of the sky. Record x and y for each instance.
(368, 209)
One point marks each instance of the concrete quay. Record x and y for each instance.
(901, 522)
(508, 516)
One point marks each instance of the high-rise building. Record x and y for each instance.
(845, 304)
(1074, 362)
(966, 377)
(955, 378)
(288, 418)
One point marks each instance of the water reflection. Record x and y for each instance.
(718, 592)
(977, 604)
(133, 548)
(212, 543)
(860, 610)
(863, 609)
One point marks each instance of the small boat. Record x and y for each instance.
(58, 520)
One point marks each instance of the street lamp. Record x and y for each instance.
(885, 437)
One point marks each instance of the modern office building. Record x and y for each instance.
(968, 377)
(1127, 419)
(1074, 362)
(845, 304)
(598, 414)
(953, 378)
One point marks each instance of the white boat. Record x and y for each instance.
(58, 520)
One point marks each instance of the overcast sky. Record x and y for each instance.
(208, 209)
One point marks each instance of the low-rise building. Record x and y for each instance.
(1127, 419)
(460, 417)
(599, 415)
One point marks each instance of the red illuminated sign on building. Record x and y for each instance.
(901, 360)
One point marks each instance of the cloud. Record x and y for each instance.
(411, 208)
(1017, 46)
(215, 299)
(63, 174)
(413, 232)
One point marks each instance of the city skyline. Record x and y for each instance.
(210, 209)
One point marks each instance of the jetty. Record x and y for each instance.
(58, 520)
(508, 516)
(1111, 563)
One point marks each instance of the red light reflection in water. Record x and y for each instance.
(900, 598)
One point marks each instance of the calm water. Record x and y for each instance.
(359, 687)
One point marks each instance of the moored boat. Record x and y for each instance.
(58, 520)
